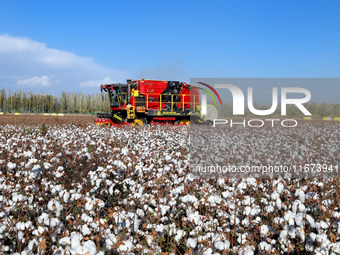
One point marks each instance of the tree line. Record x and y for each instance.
(316, 109)
(71, 102)
(68, 102)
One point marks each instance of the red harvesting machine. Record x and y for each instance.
(143, 102)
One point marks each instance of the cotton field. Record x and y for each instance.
(87, 190)
(311, 148)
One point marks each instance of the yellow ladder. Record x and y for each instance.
(131, 112)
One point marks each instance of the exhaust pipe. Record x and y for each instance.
(128, 90)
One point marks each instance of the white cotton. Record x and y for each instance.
(65, 240)
(126, 246)
(75, 240)
(245, 222)
(85, 230)
(91, 247)
(214, 200)
(191, 242)
(301, 233)
(11, 165)
(220, 245)
(298, 206)
(274, 196)
(164, 209)
(278, 203)
(189, 198)
(310, 220)
(323, 225)
(86, 218)
(279, 187)
(180, 234)
(81, 250)
(301, 194)
(264, 230)
(264, 246)
(207, 251)
(20, 235)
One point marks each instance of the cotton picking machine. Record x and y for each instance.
(141, 102)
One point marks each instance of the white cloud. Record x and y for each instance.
(43, 81)
(39, 52)
(96, 83)
(24, 61)
(19, 44)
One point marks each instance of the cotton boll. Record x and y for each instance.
(255, 210)
(257, 220)
(81, 250)
(39, 231)
(180, 234)
(221, 182)
(207, 251)
(164, 209)
(247, 210)
(54, 222)
(140, 212)
(65, 240)
(189, 198)
(248, 200)
(289, 216)
(75, 240)
(191, 242)
(245, 222)
(86, 218)
(20, 226)
(125, 247)
(301, 194)
(264, 230)
(242, 238)
(264, 246)
(321, 238)
(66, 197)
(274, 196)
(279, 187)
(248, 250)
(220, 245)
(234, 219)
(301, 233)
(323, 225)
(89, 206)
(214, 200)
(11, 165)
(278, 203)
(299, 219)
(85, 230)
(20, 235)
(91, 246)
(298, 206)
(291, 231)
(283, 236)
(125, 151)
(278, 220)
(270, 209)
(310, 220)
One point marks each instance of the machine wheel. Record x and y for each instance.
(107, 124)
(137, 122)
(185, 121)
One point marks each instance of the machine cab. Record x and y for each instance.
(117, 94)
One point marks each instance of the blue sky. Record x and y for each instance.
(55, 46)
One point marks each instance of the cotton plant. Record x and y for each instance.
(89, 190)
